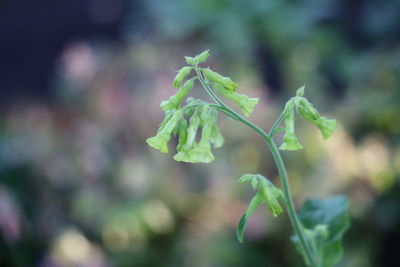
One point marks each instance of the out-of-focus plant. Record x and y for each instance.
(320, 224)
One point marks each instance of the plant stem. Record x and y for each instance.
(296, 224)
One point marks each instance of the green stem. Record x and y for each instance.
(276, 124)
(298, 229)
(296, 224)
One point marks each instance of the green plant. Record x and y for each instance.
(320, 225)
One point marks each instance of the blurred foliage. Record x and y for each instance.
(79, 186)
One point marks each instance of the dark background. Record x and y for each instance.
(81, 83)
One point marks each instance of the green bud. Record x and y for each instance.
(183, 152)
(175, 101)
(216, 139)
(202, 57)
(197, 59)
(205, 115)
(267, 191)
(245, 103)
(327, 127)
(160, 141)
(300, 91)
(252, 178)
(190, 60)
(194, 124)
(226, 82)
(270, 193)
(182, 74)
(167, 106)
(308, 112)
(290, 141)
(182, 93)
(201, 152)
(182, 135)
(322, 231)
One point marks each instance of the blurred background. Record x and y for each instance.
(81, 82)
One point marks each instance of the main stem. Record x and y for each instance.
(296, 224)
(294, 220)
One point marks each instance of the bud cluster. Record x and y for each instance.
(187, 120)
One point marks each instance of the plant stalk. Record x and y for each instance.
(294, 220)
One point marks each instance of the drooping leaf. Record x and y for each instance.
(254, 203)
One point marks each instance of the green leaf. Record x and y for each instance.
(331, 212)
(254, 203)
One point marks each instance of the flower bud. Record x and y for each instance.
(290, 141)
(201, 152)
(245, 103)
(202, 57)
(226, 82)
(216, 139)
(322, 231)
(271, 194)
(327, 127)
(167, 106)
(182, 134)
(190, 60)
(300, 91)
(182, 92)
(182, 74)
(306, 110)
(205, 115)
(183, 152)
(160, 141)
